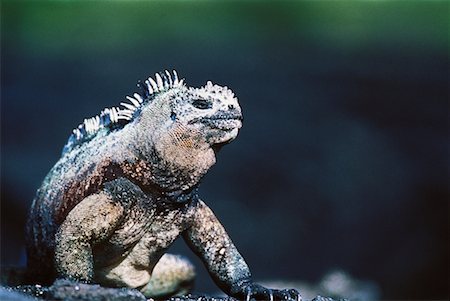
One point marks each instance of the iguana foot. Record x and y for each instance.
(258, 292)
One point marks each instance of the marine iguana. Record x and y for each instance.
(125, 188)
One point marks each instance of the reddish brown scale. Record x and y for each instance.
(138, 172)
(90, 183)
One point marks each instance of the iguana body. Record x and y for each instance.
(126, 187)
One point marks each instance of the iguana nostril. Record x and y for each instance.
(231, 107)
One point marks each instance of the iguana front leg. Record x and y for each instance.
(209, 240)
(90, 222)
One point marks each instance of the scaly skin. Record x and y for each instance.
(122, 192)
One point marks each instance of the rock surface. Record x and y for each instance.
(337, 284)
(71, 291)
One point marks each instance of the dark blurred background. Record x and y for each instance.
(343, 158)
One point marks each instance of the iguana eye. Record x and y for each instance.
(202, 104)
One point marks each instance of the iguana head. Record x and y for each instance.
(210, 113)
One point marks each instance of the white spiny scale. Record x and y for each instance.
(97, 120)
(133, 101)
(175, 78)
(154, 84)
(181, 82)
(169, 78)
(138, 97)
(113, 115)
(159, 81)
(86, 124)
(166, 83)
(128, 106)
(149, 86)
(126, 114)
(91, 125)
(117, 110)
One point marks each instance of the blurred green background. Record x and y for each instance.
(343, 158)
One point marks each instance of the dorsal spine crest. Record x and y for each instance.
(117, 117)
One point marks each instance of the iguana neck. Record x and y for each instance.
(172, 160)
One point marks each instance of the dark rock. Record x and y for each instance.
(74, 291)
(201, 298)
(10, 294)
(36, 291)
(63, 289)
(320, 298)
(70, 290)
(226, 298)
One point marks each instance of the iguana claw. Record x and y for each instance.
(260, 293)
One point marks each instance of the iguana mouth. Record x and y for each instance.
(223, 121)
(220, 123)
(224, 116)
